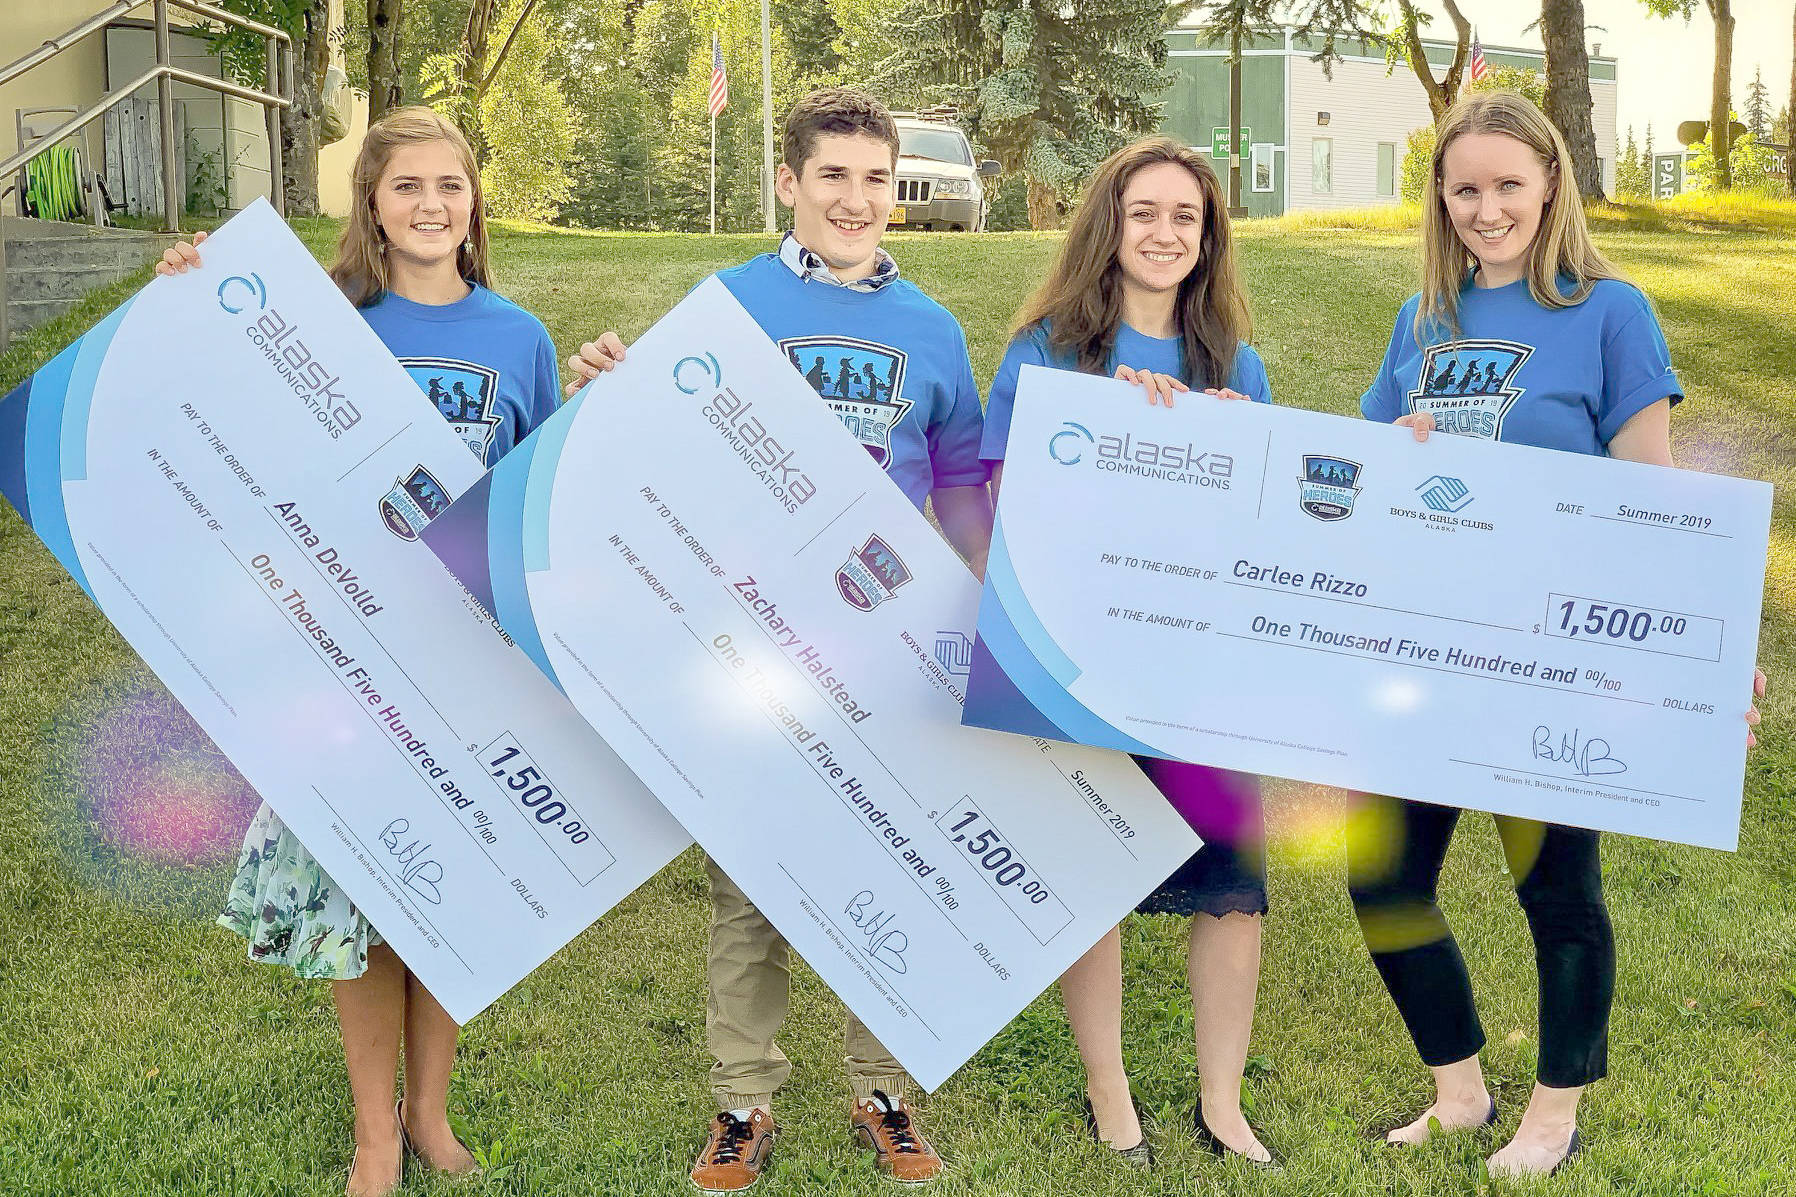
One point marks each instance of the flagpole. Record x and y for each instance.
(714, 175)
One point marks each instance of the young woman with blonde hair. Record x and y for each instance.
(1523, 332)
(413, 259)
(1145, 290)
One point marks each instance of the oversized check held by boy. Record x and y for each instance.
(236, 470)
(727, 586)
(1497, 627)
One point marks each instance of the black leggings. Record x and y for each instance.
(1393, 872)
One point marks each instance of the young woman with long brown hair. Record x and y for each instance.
(1522, 332)
(413, 259)
(1145, 290)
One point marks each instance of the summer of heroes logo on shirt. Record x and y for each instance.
(861, 381)
(1468, 386)
(465, 392)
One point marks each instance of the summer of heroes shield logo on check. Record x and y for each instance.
(1328, 486)
(415, 500)
(871, 575)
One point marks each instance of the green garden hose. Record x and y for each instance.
(53, 184)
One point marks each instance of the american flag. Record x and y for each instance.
(720, 82)
(1479, 66)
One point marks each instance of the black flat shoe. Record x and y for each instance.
(1572, 1149)
(1207, 1140)
(1139, 1156)
(1489, 1120)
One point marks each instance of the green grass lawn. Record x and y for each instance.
(140, 1053)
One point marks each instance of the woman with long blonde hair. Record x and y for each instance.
(1522, 332)
(413, 259)
(1145, 290)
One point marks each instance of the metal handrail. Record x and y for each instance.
(278, 96)
(105, 17)
(112, 98)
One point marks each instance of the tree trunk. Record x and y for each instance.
(385, 19)
(473, 67)
(299, 124)
(1790, 115)
(1568, 89)
(1720, 92)
(1234, 146)
(1044, 207)
(1442, 94)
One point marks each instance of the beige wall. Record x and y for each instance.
(76, 77)
(335, 160)
(1367, 104)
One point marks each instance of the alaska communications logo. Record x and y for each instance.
(747, 435)
(244, 289)
(705, 370)
(1126, 454)
(1067, 445)
(872, 574)
(293, 360)
(1468, 386)
(1445, 495)
(414, 501)
(1328, 486)
(954, 652)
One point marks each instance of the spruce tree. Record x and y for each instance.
(1048, 88)
(1758, 106)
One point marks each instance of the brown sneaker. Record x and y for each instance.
(900, 1150)
(735, 1153)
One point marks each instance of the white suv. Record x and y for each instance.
(938, 180)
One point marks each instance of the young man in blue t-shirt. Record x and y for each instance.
(892, 363)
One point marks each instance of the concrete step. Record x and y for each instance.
(43, 284)
(22, 316)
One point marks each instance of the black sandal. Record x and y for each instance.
(1139, 1156)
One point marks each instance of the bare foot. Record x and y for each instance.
(1230, 1127)
(1457, 1114)
(1535, 1151)
(1114, 1113)
(377, 1167)
(437, 1145)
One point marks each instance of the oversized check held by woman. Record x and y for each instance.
(1497, 627)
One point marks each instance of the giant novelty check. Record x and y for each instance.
(236, 470)
(737, 597)
(1277, 591)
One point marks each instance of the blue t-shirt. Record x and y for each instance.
(486, 363)
(1556, 378)
(1138, 351)
(891, 363)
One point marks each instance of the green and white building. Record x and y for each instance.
(1315, 142)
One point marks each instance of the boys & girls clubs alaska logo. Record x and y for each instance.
(1328, 486)
(871, 575)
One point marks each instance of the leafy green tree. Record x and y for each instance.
(612, 186)
(1750, 164)
(1721, 12)
(1418, 154)
(1049, 87)
(307, 22)
(1403, 43)
(1418, 158)
(527, 124)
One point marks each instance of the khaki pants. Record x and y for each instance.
(751, 975)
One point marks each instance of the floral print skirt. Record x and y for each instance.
(291, 912)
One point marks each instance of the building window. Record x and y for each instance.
(1322, 165)
(1387, 169)
(1262, 167)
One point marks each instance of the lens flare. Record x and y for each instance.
(145, 804)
